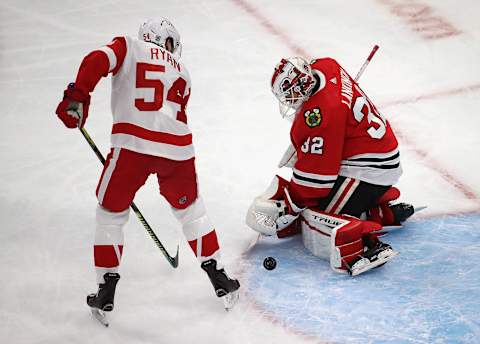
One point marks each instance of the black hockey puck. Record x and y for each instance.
(269, 263)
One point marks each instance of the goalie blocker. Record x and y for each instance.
(350, 244)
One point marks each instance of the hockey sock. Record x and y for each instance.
(205, 247)
(198, 230)
(109, 240)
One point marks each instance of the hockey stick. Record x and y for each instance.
(173, 261)
(367, 61)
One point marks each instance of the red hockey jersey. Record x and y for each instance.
(338, 131)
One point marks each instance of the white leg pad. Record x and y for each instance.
(319, 232)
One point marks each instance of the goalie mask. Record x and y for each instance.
(157, 31)
(292, 84)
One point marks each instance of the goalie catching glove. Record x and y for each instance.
(73, 109)
(274, 212)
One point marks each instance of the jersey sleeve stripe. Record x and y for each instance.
(385, 161)
(376, 159)
(311, 183)
(119, 47)
(394, 154)
(112, 59)
(315, 177)
(150, 135)
(383, 167)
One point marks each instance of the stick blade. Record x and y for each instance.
(174, 261)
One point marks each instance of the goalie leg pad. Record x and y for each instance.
(346, 245)
(347, 242)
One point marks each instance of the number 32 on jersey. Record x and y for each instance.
(313, 145)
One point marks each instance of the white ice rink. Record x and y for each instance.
(425, 78)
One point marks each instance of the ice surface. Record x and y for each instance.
(429, 89)
(424, 295)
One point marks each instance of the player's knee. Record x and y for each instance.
(180, 197)
(109, 228)
(193, 211)
(106, 217)
(194, 219)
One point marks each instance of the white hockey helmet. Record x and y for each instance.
(292, 84)
(157, 31)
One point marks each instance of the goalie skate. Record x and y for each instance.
(372, 258)
(401, 211)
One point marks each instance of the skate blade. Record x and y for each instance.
(419, 208)
(100, 315)
(378, 262)
(230, 299)
(388, 229)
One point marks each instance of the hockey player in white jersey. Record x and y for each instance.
(150, 135)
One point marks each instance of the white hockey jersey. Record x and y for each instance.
(150, 90)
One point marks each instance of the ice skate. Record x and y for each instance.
(225, 287)
(374, 257)
(402, 211)
(102, 301)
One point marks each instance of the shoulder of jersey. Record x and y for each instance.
(325, 63)
(330, 68)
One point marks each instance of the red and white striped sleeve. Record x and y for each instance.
(100, 62)
(115, 52)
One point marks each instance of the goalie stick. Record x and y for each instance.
(173, 261)
(367, 61)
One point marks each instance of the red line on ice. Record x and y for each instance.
(436, 166)
(267, 25)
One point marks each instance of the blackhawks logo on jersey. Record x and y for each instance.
(313, 118)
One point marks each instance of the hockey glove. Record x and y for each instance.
(291, 214)
(73, 109)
